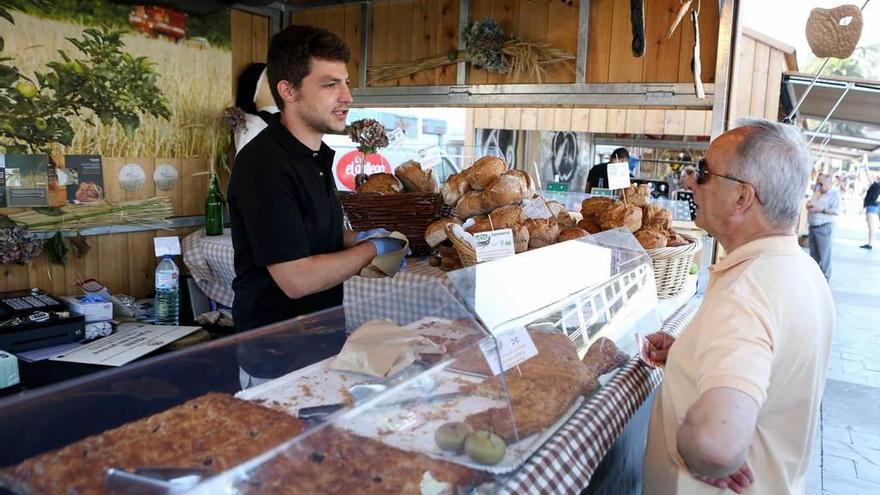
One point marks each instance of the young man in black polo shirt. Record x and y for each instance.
(598, 175)
(292, 253)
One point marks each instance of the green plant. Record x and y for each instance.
(105, 84)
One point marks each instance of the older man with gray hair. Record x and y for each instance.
(740, 397)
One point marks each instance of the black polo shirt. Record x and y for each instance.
(283, 207)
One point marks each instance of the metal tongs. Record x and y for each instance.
(154, 480)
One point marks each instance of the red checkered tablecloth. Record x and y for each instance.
(567, 461)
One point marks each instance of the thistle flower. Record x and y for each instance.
(484, 40)
(369, 134)
(18, 245)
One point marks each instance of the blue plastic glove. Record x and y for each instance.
(385, 245)
(367, 233)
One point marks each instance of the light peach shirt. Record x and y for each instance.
(764, 328)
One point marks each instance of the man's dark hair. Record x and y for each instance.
(291, 52)
(620, 154)
(247, 87)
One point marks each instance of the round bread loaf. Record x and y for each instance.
(415, 179)
(454, 188)
(636, 194)
(484, 171)
(572, 233)
(542, 232)
(651, 239)
(507, 216)
(656, 217)
(525, 176)
(674, 239)
(481, 223)
(621, 215)
(471, 204)
(590, 225)
(592, 207)
(504, 190)
(436, 231)
(382, 184)
(520, 238)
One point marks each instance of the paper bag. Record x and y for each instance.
(381, 348)
(386, 266)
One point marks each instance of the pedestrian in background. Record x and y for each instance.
(822, 209)
(871, 209)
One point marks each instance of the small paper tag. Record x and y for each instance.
(515, 347)
(429, 157)
(166, 245)
(618, 175)
(494, 244)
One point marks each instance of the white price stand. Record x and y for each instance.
(494, 244)
(618, 176)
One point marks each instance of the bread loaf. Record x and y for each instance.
(590, 225)
(636, 194)
(382, 184)
(674, 239)
(656, 217)
(520, 239)
(525, 176)
(592, 207)
(484, 171)
(572, 233)
(542, 232)
(471, 204)
(415, 179)
(507, 216)
(454, 188)
(480, 223)
(436, 231)
(621, 215)
(560, 214)
(503, 191)
(651, 239)
(449, 259)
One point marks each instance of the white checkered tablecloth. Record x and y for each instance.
(210, 260)
(567, 461)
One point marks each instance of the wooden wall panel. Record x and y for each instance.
(674, 122)
(661, 55)
(512, 118)
(546, 118)
(529, 119)
(480, 9)
(176, 194)
(616, 120)
(195, 187)
(598, 119)
(654, 121)
(562, 119)
(250, 42)
(635, 121)
(580, 119)
(352, 36)
(562, 28)
(599, 46)
(447, 36)
(481, 118)
(496, 118)
(758, 97)
(742, 79)
(774, 82)
(624, 67)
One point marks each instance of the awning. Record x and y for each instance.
(860, 106)
(841, 141)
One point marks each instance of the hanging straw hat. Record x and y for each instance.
(826, 35)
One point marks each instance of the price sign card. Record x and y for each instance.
(514, 347)
(494, 244)
(618, 175)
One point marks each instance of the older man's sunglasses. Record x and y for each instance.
(703, 173)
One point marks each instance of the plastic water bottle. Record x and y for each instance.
(167, 304)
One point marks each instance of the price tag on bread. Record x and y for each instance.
(514, 347)
(494, 244)
(618, 175)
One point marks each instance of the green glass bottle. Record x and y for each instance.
(214, 209)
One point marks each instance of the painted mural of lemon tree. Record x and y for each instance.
(98, 83)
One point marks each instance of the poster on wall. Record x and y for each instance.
(563, 159)
(497, 142)
(83, 176)
(27, 180)
(166, 70)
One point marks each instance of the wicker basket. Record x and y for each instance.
(466, 253)
(672, 266)
(407, 213)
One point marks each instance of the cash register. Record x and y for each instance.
(32, 319)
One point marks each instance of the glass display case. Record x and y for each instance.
(475, 382)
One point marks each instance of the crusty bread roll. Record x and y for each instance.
(674, 239)
(621, 215)
(382, 184)
(651, 239)
(454, 188)
(590, 225)
(656, 217)
(415, 179)
(436, 231)
(542, 232)
(522, 173)
(471, 204)
(449, 259)
(505, 190)
(560, 214)
(572, 233)
(507, 216)
(636, 194)
(484, 171)
(481, 223)
(520, 238)
(592, 207)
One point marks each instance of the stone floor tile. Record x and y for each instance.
(838, 467)
(838, 433)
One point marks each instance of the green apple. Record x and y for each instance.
(451, 436)
(485, 447)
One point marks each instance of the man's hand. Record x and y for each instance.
(385, 245)
(738, 481)
(367, 233)
(659, 344)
